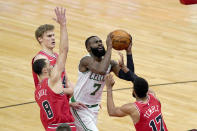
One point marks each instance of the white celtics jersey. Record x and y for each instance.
(89, 87)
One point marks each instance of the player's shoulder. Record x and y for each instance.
(84, 63)
(86, 59)
(129, 106)
(153, 96)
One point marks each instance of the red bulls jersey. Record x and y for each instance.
(54, 108)
(150, 115)
(52, 60)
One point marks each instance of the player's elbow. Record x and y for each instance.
(111, 113)
(68, 91)
(64, 50)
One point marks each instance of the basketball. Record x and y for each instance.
(120, 39)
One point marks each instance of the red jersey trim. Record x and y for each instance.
(137, 110)
(35, 77)
(46, 54)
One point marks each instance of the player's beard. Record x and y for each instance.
(97, 52)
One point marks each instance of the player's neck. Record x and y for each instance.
(97, 58)
(42, 77)
(144, 99)
(48, 51)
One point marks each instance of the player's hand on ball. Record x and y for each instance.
(109, 81)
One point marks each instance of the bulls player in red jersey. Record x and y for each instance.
(50, 95)
(46, 37)
(145, 112)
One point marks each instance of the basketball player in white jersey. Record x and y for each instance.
(90, 84)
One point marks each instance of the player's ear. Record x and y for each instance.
(88, 48)
(134, 94)
(40, 39)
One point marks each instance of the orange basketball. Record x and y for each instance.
(120, 39)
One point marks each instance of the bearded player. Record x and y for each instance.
(92, 70)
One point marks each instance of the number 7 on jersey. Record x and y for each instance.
(97, 86)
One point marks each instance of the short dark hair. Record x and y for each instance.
(88, 40)
(38, 65)
(140, 87)
(63, 127)
(42, 29)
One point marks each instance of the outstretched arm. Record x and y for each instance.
(112, 110)
(130, 63)
(69, 88)
(63, 46)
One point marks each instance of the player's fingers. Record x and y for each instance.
(110, 34)
(110, 77)
(121, 55)
(64, 11)
(58, 12)
(100, 106)
(61, 10)
(119, 63)
(107, 76)
(76, 107)
(55, 11)
(82, 105)
(113, 82)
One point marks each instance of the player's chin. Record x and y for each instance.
(52, 46)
